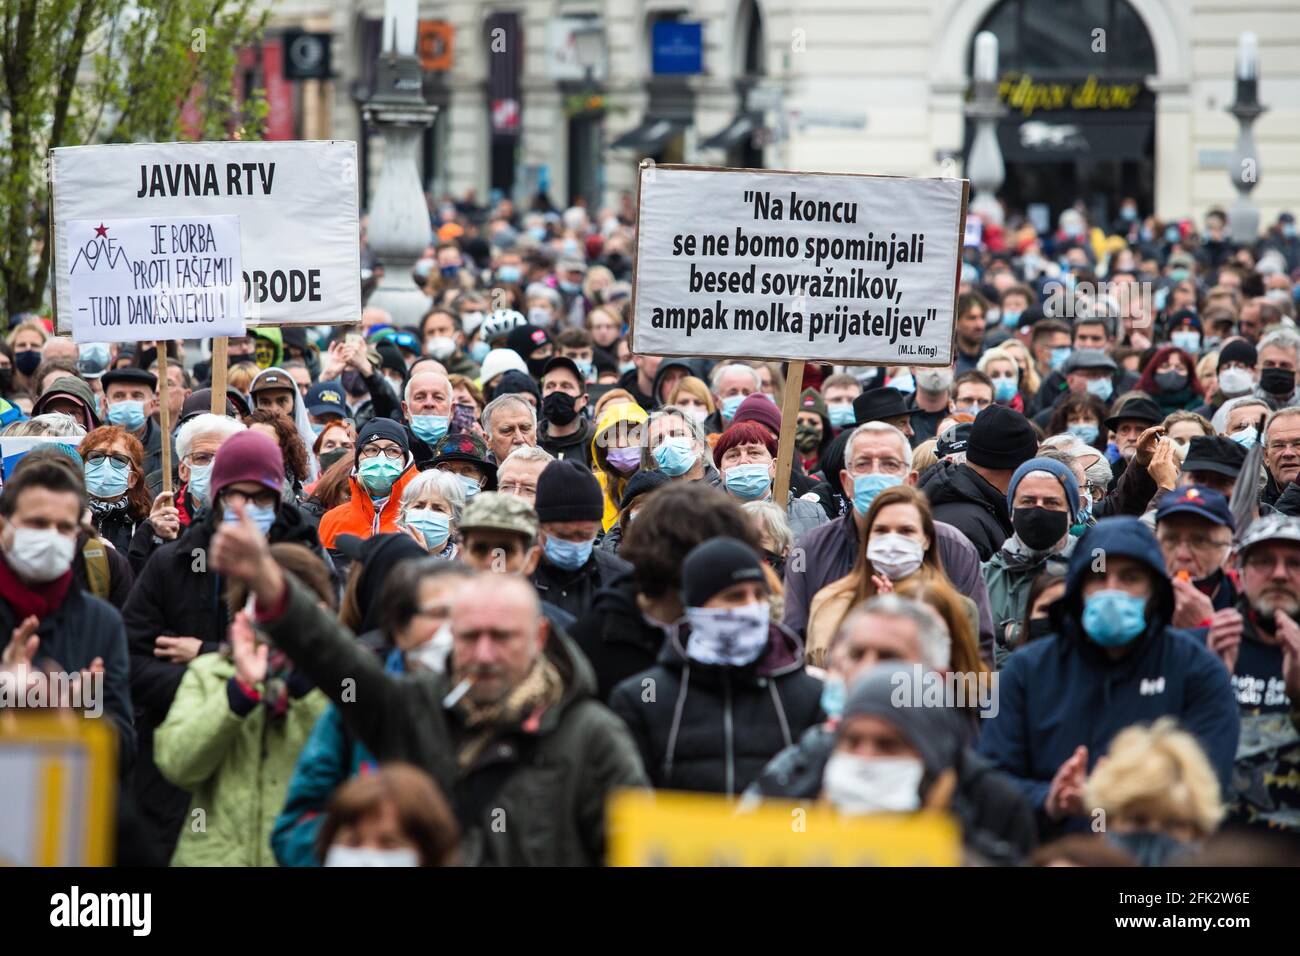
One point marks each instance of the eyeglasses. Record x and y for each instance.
(391, 452)
(95, 457)
(1263, 563)
(518, 488)
(201, 459)
(1097, 491)
(1194, 540)
(885, 466)
(263, 499)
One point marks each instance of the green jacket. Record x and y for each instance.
(533, 798)
(1008, 575)
(237, 768)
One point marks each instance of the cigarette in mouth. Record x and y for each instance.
(457, 692)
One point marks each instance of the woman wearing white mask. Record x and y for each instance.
(395, 817)
(430, 512)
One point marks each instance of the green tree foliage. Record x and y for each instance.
(76, 72)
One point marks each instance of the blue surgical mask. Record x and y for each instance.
(262, 517)
(625, 367)
(1189, 341)
(129, 415)
(834, 695)
(904, 382)
(317, 427)
(1085, 432)
(107, 478)
(866, 487)
(433, 525)
(429, 428)
(1101, 387)
(1244, 437)
(538, 233)
(842, 414)
(509, 274)
(478, 351)
(1059, 355)
(731, 405)
(1113, 618)
(749, 482)
(198, 486)
(569, 288)
(1004, 389)
(471, 486)
(676, 456)
(1011, 318)
(569, 555)
(587, 369)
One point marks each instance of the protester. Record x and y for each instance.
(115, 483)
(382, 468)
(519, 472)
(394, 817)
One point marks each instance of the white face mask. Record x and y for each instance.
(858, 785)
(1234, 382)
(432, 654)
(895, 555)
(732, 637)
(40, 555)
(364, 856)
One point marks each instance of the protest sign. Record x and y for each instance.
(136, 279)
(296, 203)
(818, 267)
(687, 829)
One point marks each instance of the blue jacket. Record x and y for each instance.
(331, 757)
(1062, 691)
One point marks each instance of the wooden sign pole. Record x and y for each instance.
(785, 447)
(219, 366)
(165, 418)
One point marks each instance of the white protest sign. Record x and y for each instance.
(296, 203)
(137, 279)
(845, 269)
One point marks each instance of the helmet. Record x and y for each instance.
(500, 322)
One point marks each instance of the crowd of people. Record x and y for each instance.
(426, 594)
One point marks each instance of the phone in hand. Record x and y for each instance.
(463, 418)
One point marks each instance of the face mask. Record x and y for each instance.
(904, 382)
(471, 486)
(328, 459)
(450, 271)
(538, 233)
(625, 367)
(541, 316)
(586, 369)
(40, 555)
(860, 785)
(842, 414)
(1011, 318)
(730, 637)
(317, 428)
(129, 415)
(569, 288)
(807, 438)
(1187, 341)
(1058, 356)
(198, 484)
(894, 555)
(935, 380)
(1245, 437)
(353, 383)
(1288, 230)
(1171, 381)
(6, 379)
(1101, 387)
(440, 347)
(1235, 382)
(429, 428)
(569, 555)
(676, 456)
(26, 362)
(1277, 381)
(1004, 389)
(432, 654)
(557, 408)
(834, 694)
(624, 460)
(866, 487)
(262, 517)
(731, 405)
(1151, 849)
(510, 275)
(699, 413)
(1040, 528)
(1085, 432)
(1172, 235)
(749, 482)
(378, 475)
(364, 856)
(433, 525)
(1114, 618)
(1128, 214)
(107, 479)
(478, 351)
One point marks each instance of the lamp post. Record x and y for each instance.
(399, 218)
(1243, 217)
(589, 49)
(984, 168)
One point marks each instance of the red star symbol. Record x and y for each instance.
(101, 230)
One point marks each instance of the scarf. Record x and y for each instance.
(40, 600)
(106, 506)
(522, 707)
(1020, 555)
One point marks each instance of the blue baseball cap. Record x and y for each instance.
(326, 398)
(1196, 500)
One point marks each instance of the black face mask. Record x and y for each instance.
(1039, 528)
(26, 362)
(353, 383)
(1275, 381)
(328, 459)
(558, 408)
(1171, 381)
(1039, 627)
(536, 366)
(6, 379)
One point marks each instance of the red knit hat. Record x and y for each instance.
(743, 433)
(759, 408)
(248, 456)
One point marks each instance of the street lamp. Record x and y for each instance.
(984, 168)
(589, 48)
(1243, 217)
(399, 216)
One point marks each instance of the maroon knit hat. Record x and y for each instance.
(759, 408)
(743, 433)
(248, 456)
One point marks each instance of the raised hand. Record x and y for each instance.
(248, 655)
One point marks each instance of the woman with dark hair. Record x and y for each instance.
(115, 483)
(1170, 379)
(1083, 416)
(286, 436)
(395, 817)
(1045, 589)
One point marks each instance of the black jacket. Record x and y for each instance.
(575, 591)
(575, 447)
(615, 636)
(961, 498)
(116, 527)
(712, 728)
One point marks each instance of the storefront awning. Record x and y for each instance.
(651, 136)
(740, 128)
(1068, 139)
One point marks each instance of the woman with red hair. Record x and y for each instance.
(1170, 379)
(115, 486)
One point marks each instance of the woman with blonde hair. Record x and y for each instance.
(693, 395)
(27, 339)
(1030, 382)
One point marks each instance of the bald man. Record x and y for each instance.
(426, 404)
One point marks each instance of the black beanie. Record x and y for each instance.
(1238, 350)
(515, 382)
(716, 565)
(378, 428)
(568, 491)
(1001, 438)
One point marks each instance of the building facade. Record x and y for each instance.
(1106, 98)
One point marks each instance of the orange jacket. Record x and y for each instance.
(358, 515)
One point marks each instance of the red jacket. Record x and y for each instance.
(358, 515)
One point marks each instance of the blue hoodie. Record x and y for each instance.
(1063, 690)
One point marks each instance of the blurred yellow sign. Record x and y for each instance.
(59, 798)
(687, 829)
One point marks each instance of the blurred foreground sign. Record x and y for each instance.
(687, 829)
